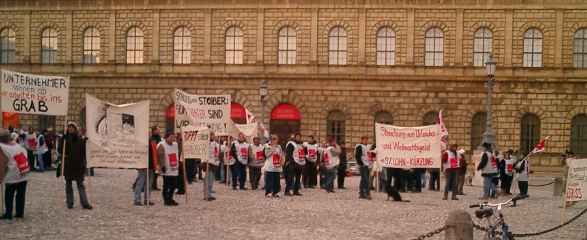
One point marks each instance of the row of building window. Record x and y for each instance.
(287, 47)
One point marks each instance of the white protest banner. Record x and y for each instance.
(576, 180)
(117, 134)
(211, 111)
(196, 141)
(408, 147)
(249, 130)
(34, 94)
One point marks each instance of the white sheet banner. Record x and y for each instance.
(408, 147)
(196, 141)
(34, 94)
(576, 180)
(211, 111)
(118, 135)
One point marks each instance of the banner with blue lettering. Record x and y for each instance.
(34, 94)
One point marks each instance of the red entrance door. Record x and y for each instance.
(285, 121)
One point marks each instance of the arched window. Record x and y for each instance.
(91, 46)
(478, 126)
(134, 46)
(49, 39)
(385, 46)
(182, 46)
(7, 46)
(434, 49)
(383, 117)
(482, 45)
(337, 46)
(430, 118)
(234, 45)
(335, 126)
(533, 48)
(579, 134)
(580, 48)
(287, 46)
(530, 132)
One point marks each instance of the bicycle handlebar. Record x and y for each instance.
(497, 205)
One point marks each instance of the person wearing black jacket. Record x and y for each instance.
(342, 167)
(365, 164)
(295, 160)
(74, 167)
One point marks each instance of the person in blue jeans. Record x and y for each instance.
(365, 163)
(488, 168)
(211, 167)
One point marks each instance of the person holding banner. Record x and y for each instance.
(256, 162)
(141, 183)
(212, 166)
(450, 160)
(153, 142)
(30, 143)
(365, 163)
(488, 168)
(168, 154)
(74, 165)
(310, 172)
(240, 150)
(13, 169)
(274, 161)
(523, 170)
(295, 162)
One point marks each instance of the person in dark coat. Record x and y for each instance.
(74, 167)
(342, 167)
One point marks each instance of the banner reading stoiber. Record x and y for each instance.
(34, 94)
(408, 147)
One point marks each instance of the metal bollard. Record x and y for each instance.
(460, 226)
(558, 188)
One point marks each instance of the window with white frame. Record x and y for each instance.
(482, 44)
(134, 46)
(182, 46)
(287, 46)
(7, 46)
(91, 46)
(337, 46)
(580, 48)
(49, 39)
(434, 47)
(385, 46)
(234, 45)
(533, 48)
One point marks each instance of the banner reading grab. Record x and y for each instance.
(34, 94)
(577, 180)
(196, 141)
(408, 147)
(211, 111)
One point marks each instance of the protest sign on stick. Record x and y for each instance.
(34, 94)
(408, 147)
(118, 135)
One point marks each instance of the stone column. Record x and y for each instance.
(460, 226)
(509, 22)
(260, 34)
(558, 43)
(459, 39)
(207, 35)
(155, 45)
(362, 29)
(314, 38)
(111, 58)
(27, 38)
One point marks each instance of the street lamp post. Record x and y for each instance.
(488, 135)
(263, 93)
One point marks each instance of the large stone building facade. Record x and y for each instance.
(340, 66)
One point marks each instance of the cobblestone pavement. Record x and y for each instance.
(248, 215)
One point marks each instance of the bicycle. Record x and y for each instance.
(492, 214)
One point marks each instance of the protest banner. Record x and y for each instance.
(576, 180)
(117, 134)
(34, 94)
(196, 141)
(408, 147)
(212, 111)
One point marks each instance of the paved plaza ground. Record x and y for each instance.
(248, 215)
